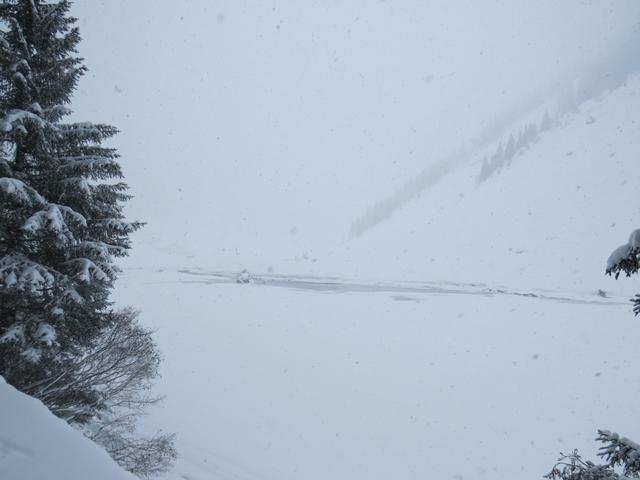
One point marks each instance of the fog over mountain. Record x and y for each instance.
(285, 123)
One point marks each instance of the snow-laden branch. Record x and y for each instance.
(620, 451)
(20, 192)
(54, 219)
(626, 257)
(18, 271)
(16, 118)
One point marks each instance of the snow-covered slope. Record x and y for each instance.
(548, 220)
(35, 445)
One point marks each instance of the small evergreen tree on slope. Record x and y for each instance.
(61, 229)
(622, 455)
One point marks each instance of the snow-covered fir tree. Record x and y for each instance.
(61, 229)
(626, 259)
(62, 221)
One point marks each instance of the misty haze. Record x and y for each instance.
(306, 240)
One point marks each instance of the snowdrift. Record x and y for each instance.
(36, 445)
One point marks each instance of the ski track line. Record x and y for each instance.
(339, 285)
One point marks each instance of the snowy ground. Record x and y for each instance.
(271, 382)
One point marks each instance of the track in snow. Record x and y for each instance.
(401, 289)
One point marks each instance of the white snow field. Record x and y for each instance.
(471, 335)
(35, 445)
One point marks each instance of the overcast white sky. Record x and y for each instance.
(265, 128)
